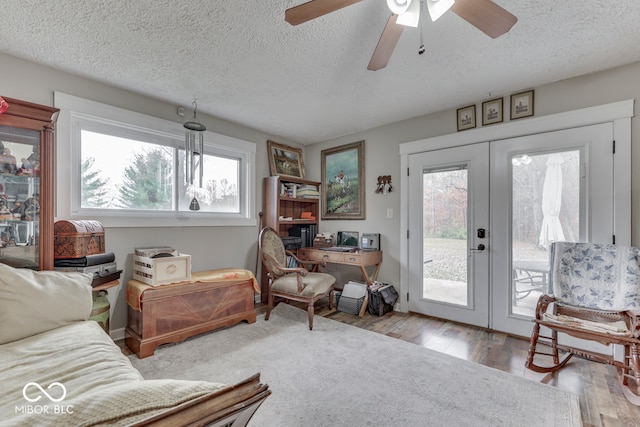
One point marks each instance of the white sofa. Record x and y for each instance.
(58, 368)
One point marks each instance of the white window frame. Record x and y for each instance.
(79, 113)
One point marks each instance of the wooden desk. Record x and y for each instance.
(360, 258)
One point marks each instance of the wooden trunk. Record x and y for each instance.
(77, 239)
(172, 313)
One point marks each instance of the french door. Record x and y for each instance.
(448, 240)
(482, 216)
(555, 186)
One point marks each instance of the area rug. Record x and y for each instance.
(340, 375)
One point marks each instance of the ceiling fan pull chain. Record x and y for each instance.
(421, 49)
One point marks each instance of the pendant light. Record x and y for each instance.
(398, 7)
(408, 11)
(437, 8)
(194, 153)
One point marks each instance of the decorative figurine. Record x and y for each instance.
(384, 185)
(25, 168)
(7, 161)
(31, 207)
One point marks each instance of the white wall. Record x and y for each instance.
(382, 154)
(210, 246)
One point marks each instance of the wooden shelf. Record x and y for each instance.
(106, 286)
(300, 199)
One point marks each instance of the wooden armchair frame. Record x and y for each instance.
(276, 269)
(628, 368)
(593, 294)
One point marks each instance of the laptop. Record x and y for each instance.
(347, 242)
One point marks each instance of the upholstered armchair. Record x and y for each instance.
(593, 294)
(292, 283)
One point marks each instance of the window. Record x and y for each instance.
(127, 169)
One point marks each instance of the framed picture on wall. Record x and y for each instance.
(343, 195)
(466, 117)
(285, 160)
(522, 105)
(492, 112)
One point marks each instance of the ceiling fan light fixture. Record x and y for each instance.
(437, 8)
(398, 7)
(411, 17)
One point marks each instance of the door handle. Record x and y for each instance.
(480, 248)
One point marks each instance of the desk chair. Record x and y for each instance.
(297, 284)
(594, 292)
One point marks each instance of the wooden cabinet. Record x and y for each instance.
(27, 184)
(286, 201)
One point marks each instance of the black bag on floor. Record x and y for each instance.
(381, 299)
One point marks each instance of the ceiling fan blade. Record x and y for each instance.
(485, 15)
(313, 9)
(386, 44)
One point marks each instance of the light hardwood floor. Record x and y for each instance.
(596, 384)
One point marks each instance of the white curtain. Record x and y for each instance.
(551, 230)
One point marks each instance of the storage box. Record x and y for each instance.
(77, 238)
(352, 299)
(347, 304)
(160, 271)
(382, 297)
(321, 242)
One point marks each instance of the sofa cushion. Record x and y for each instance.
(32, 302)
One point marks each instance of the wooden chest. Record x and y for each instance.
(77, 238)
(172, 313)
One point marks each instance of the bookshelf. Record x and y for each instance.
(290, 202)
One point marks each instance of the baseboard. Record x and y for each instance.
(117, 334)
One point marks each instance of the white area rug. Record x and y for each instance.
(340, 375)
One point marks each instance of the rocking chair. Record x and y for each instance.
(594, 292)
(297, 284)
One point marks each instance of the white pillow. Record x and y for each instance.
(32, 302)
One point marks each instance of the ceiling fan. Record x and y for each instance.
(485, 15)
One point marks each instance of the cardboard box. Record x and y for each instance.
(161, 271)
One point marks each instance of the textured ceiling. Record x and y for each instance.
(310, 83)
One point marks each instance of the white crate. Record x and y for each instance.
(161, 271)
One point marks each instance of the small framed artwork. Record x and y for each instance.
(466, 117)
(285, 160)
(492, 112)
(522, 105)
(343, 195)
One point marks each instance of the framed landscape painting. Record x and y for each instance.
(343, 195)
(285, 160)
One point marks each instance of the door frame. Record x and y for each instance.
(618, 113)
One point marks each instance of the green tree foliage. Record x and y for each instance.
(148, 182)
(94, 186)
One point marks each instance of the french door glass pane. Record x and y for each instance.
(545, 208)
(445, 235)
